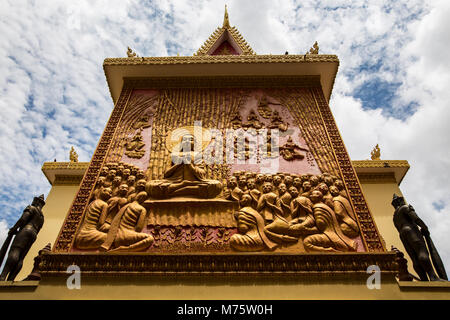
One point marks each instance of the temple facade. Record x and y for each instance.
(222, 175)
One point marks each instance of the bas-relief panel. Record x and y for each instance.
(143, 201)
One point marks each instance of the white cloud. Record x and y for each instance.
(51, 54)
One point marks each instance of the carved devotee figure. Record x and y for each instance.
(140, 186)
(344, 214)
(303, 222)
(340, 185)
(110, 178)
(250, 225)
(186, 176)
(328, 179)
(25, 230)
(259, 180)
(300, 206)
(269, 209)
(125, 231)
(267, 203)
(98, 188)
(297, 183)
(104, 172)
(329, 236)
(293, 191)
(116, 184)
(277, 179)
(314, 180)
(253, 192)
(130, 182)
(234, 192)
(306, 188)
(114, 205)
(89, 236)
(304, 177)
(119, 171)
(412, 231)
(327, 198)
(125, 175)
(242, 183)
(288, 180)
(284, 201)
(140, 175)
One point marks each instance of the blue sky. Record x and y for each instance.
(391, 87)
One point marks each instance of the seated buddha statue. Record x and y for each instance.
(186, 177)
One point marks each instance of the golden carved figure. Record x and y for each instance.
(114, 205)
(344, 214)
(284, 201)
(186, 176)
(125, 231)
(134, 146)
(253, 121)
(251, 236)
(89, 236)
(131, 53)
(327, 198)
(376, 153)
(314, 49)
(340, 185)
(140, 186)
(253, 191)
(329, 236)
(289, 151)
(276, 122)
(267, 203)
(73, 155)
(142, 122)
(234, 193)
(263, 108)
(236, 121)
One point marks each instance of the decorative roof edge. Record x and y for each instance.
(222, 59)
(380, 163)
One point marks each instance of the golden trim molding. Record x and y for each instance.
(380, 164)
(142, 264)
(201, 59)
(65, 165)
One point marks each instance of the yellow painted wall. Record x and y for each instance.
(57, 205)
(379, 197)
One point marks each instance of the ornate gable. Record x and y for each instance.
(225, 40)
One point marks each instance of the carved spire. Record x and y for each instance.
(226, 22)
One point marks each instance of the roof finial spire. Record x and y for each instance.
(226, 23)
